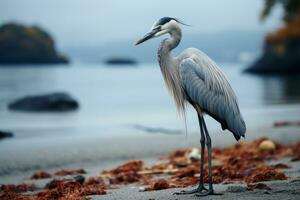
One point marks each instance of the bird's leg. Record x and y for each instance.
(200, 187)
(208, 144)
(202, 143)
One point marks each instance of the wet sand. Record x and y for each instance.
(149, 147)
(287, 189)
(97, 154)
(279, 190)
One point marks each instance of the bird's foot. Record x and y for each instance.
(209, 192)
(198, 190)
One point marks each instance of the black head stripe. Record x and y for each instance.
(164, 20)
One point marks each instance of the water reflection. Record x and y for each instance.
(111, 98)
(280, 89)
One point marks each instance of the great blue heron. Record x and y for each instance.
(195, 78)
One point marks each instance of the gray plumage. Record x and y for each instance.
(195, 78)
(192, 77)
(206, 85)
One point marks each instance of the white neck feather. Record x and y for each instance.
(169, 67)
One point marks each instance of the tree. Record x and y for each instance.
(281, 53)
(291, 9)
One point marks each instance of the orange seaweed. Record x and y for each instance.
(40, 175)
(160, 184)
(240, 163)
(66, 172)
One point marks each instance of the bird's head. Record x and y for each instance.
(162, 26)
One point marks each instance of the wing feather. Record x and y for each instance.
(205, 85)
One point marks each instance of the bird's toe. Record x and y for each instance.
(209, 192)
(194, 191)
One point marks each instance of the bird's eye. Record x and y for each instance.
(157, 28)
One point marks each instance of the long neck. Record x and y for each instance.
(167, 45)
(169, 67)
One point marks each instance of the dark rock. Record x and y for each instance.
(279, 58)
(79, 178)
(49, 102)
(120, 61)
(4, 134)
(27, 45)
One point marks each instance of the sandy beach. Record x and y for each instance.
(100, 153)
(150, 147)
(279, 190)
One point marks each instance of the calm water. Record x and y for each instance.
(114, 101)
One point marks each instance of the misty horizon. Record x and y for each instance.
(98, 23)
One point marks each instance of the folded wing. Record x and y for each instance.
(206, 86)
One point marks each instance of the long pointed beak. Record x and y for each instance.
(147, 36)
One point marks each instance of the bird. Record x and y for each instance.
(193, 78)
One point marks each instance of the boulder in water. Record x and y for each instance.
(5, 134)
(54, 102)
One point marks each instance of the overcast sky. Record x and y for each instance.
(94, 22)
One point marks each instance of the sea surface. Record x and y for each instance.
(116, 101)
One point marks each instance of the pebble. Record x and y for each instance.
(237, 188)
(267, 145)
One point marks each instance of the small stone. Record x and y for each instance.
(142, 189)
(194, 155)
(236, 188)
(216, 162)
(79, 178)
(267, 145)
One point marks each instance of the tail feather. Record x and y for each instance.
(238, 128)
